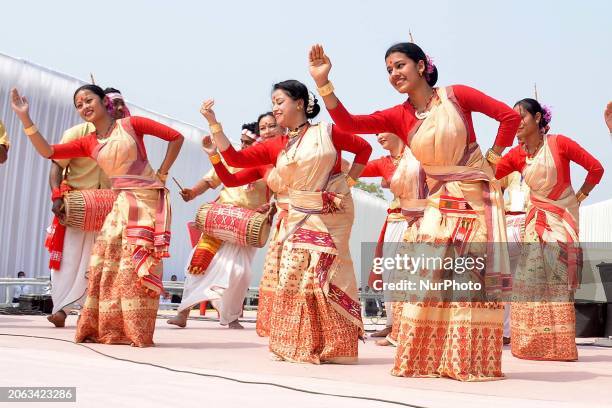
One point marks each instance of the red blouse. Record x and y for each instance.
(85, 146)
(241, 177)
(266, 152)
(400, 119)
(568, 150)
(381, 167)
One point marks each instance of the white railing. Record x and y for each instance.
(173, 288)
(6, 285)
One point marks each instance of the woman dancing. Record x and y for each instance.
(125, 269)
(316, 315)
(543, 322)
(439, 336)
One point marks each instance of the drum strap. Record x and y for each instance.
(55, 238)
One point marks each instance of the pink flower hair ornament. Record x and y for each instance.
(546, 114)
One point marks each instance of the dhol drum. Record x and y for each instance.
(87, 209)
(233, 224)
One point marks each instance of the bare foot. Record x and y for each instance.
(276, 357)
(235, 325)
(383, 342)
(58, 318)
(381, 333)
(181, 319)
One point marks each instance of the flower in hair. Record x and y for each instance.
(547, 114)
(249, 134)
(110, 106)
(429, 69)
(311, 102)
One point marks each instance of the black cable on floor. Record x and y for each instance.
(218, 376)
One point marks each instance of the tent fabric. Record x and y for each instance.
(596, 222)
(25, 206)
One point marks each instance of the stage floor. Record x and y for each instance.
(205, 347)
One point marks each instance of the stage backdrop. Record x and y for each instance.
(25, 206)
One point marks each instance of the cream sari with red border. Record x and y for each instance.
(125, 270)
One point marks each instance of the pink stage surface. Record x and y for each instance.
(206, 348)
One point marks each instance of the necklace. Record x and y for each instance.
(294, 132)
(396, 159)
(531, 157)
(293, 139)
(425, 113)
(110, 128)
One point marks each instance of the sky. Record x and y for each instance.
(170, 56)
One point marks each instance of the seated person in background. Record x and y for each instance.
(175, 298)
(19, 290)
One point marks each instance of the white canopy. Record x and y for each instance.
(24, 189)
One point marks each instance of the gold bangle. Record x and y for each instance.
(350, 181)
(32, 130)
(215, 128)
(581, 196)
(492, 156)
(215, 158)
(326, 89)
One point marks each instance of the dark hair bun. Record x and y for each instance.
(433, 77)
(316, 108)
(296, 91)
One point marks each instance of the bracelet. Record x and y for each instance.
(326, 89)
(350, 181)
(215, 128)
(32, 130)
(492, 156)
(215, 158)
(581, 196)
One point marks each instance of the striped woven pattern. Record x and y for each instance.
(236, 225)
(87, 209)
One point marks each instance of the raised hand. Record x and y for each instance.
(207, 112)
(209, 145)
(320, 65)
(608, 116)
(19, 104)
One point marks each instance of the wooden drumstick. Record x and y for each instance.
(178, 184)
